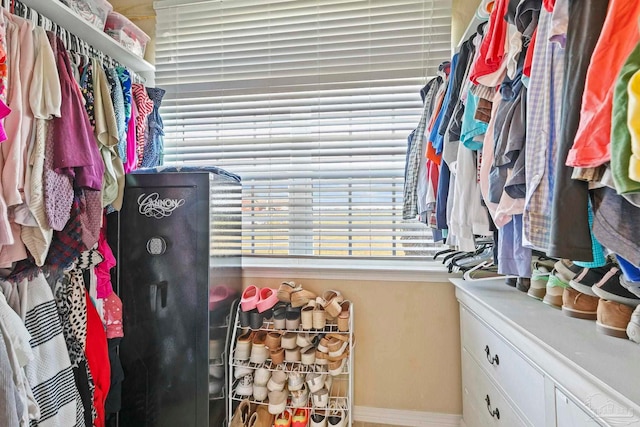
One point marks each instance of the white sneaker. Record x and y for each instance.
(320, 398)
(245, 386)
(315, 381)
(318, 419)
(241, 370)
(633, 328)
(260, 392)
(296, 380)
(261, 376)
(300, 398)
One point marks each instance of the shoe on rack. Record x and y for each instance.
(260, 392)
(259, 352)
(296, 380)
(279, 316)
(541, 269)
(319, 317)
(633, 328)
(300, 417)
(245, 386)
(300, 398)
(277, 402)
(577, 304)
(523, 284)
(331, 301)
(241, 415)
(317, 418)
(277, 381)
(301, 297)
(555, 287)
(252, 420)
(241, 369)
(306, 317)
(267, 299)
(567, 269)
(320, 398)
(343, 317)
(283, 419)
(337, 418)
(250, 298)
(630, 285)
(263, 417)
(584, 281)
(261, 376)
(243, 346)
(613, 318)
(285, 290)
(292, 318)
(609, 288)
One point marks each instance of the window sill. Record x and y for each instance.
(345, 269)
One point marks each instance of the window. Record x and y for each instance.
(311, 103)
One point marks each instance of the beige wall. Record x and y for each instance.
(461, 13)
(141, 13)
(407, 354)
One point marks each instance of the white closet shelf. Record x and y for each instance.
(66, 18)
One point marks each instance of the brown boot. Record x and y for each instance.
(241, 415)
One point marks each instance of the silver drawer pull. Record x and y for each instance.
(494, 360)
(495, 413)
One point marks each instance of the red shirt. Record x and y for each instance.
(492, 47)
(98, 359)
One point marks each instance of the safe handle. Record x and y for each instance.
(154, 289)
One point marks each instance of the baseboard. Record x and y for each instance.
(403, 418)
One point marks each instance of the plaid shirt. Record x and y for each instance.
(543, 121)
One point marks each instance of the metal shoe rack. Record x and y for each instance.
(341, 391)
(221, 361)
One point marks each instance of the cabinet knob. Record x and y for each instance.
(495, 413)
(494, 360)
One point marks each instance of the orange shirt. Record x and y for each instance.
(620, 34)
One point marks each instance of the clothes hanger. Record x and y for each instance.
(442, 252)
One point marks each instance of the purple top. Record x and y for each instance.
(75, 151)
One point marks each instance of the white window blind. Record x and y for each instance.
(311, 103)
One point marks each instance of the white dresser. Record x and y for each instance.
(527, 364)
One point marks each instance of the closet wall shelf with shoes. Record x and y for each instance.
(292, 356)
(67, 18)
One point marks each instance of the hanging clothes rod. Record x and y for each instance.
(71, 41)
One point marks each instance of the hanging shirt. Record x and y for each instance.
(624, 129)
(619, 36)
(117, 98)
(144, 106)
(106, 132)
(155, 143)
(569, 206)
(543, 121)
(50, 375)
(17, 338)
(18, 123)
(78, 157)
(492, 50)
(634, 127)
(44, 102)
(98, 360)
(130, 164)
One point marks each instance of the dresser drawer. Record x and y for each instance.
(519, 380)
(483, 404)
(568, 414)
